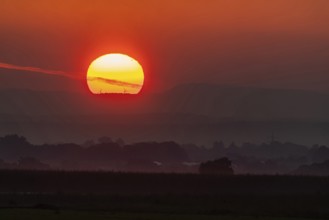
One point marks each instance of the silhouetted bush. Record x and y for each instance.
(315, 169)
(31, 163)
(222, 166)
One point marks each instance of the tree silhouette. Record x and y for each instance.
(222, 166)
(4, 165)
(13, 140)
(31, 163)
(104, 140)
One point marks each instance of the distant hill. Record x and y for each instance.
(214, 101)
(239, 103)
(199, 113)
(315, 169)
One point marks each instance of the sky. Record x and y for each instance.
(276, 44)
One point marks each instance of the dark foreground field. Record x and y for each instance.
(101, 195)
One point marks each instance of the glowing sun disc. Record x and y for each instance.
(115, 73)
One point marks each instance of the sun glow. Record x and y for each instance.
(115, 74)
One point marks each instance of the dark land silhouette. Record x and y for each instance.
(189, 113)
(314, 169)
(143, 175)
(107, 154)
(251, 173)
(163, 195)
(222, 166)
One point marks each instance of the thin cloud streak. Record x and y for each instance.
(37, 70)
(115, 82)
(62, 73)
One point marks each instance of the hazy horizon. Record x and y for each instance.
(222, 70)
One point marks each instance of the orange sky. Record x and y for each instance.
(253, 42)
(276, 15)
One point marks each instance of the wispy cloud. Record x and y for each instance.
(37, 70)
(65, 74)
(115, 82)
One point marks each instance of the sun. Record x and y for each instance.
(115, 73)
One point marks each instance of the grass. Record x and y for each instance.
(105, 195)
(36, 214)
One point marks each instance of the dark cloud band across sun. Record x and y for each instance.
(65, 74)
(115, 82)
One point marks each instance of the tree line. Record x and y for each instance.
(116, 155)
